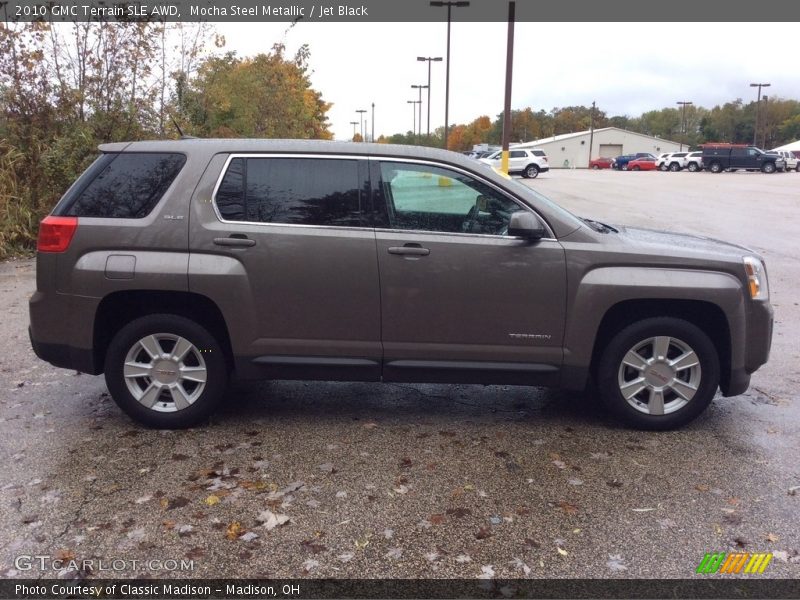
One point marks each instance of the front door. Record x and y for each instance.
(461, 300)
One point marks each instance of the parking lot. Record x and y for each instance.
(300, 479)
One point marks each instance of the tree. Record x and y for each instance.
(266, 96)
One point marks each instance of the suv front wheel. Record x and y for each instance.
(166, 371)
(659, 373)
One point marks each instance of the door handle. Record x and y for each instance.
(236, 241)
(409, 250)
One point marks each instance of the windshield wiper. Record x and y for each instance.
(600, 227)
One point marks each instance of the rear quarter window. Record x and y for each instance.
(123, 186)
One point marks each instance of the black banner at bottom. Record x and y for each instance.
(247, 589)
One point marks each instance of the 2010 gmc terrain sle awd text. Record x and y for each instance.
(171, 266)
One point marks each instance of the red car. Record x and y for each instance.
(642, 164)
(600, 163)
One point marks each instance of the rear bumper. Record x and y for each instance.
(66, 357)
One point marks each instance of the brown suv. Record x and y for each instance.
(172, 265)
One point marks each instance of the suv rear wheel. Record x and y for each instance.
(659, 373)
(531, 172)
(693, 167)
(166, 371)
(768, 167)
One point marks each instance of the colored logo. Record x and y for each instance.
(741, 562)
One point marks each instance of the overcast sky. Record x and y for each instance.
(627, 68)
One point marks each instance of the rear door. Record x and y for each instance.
(285, 247)
(517, 160)
(461, 300)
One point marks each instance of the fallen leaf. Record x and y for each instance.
(701, 487)
(248, 537)
(771, 537)
(463, 558)
(388, 533)
(313, 546)
(568, 508)
(234, 530)
(519, 564)
(346, 556)
(436, 519)
(487, 572)
(212, 500)
(561, 551)
(642, 509)
(327, 468)
(65, 554)
(271, 520)
(403, 489)
(616, 562)
(394, 553)
(432, 556)
(310, 564)
(483, 533)
(458, 513)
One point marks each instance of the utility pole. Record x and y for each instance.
(766, 120)
(413, 104)
(509, 72)
(758, 105)
(361, 121)
(591, 133)
(372, 136)
(683, 103)
(429, 59)
(449, 4)
(354, 123)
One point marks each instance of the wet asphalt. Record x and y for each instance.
(297, 479)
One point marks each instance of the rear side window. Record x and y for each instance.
(538, 153)
(124, 186)
(301, 191)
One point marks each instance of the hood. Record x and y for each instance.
(666, 243)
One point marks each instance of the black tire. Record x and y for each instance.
(595, 167)
(715, 167)
(693, 167)
(203, 345)
(768, 167)
(662, 167)
(674, 167)
(531, 172)
(635, 168)
(610, 370)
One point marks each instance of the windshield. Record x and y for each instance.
(526, 192)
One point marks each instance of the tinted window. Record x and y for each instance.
(127, 185)
(427, 198)
(538, 153)
(303, 191)
(517, 154)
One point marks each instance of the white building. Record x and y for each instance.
(793, 147)
(571, 150)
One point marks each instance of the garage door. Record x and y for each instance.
(610, 150)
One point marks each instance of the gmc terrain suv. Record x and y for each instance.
(171, 266)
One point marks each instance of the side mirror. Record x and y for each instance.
(526, 225)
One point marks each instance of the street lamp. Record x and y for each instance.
(413, 104)
(449, 4)
(429, 59)
(372, 136)
(361, 121)
(354, 123)
(683, 120)
(758, 104)
(420, 88)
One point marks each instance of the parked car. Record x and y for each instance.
(792, 163)
(528, 163)
(661, 161)
(172, 265)
(642, 164)
(600, 163)
(694, 161)
(677, 161)
(721, 157)
(621, 162)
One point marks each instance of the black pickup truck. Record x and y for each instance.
(721, 157)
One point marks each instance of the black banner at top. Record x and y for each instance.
(322, 11)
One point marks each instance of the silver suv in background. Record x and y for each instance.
(172, 266)
(528, 163)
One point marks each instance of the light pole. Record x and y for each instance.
(361, 121)
(372, 135)
(449, 4)
(420, 88)
(429, 59)
(413, 104)
(766, 119)
(354, 123)
(591, 132)
(683, 103)
(758, 105)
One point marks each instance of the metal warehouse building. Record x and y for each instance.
(571, 150)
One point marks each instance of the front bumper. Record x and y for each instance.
(758, 341)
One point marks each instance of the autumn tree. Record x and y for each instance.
(267, 96)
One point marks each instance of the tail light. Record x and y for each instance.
(55, 233)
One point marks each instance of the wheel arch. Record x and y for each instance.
(705, 315)
(117, 309)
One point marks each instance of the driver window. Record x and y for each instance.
(428, 198)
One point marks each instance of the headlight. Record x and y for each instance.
(756, 278)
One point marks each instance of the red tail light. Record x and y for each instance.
(55, 233)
